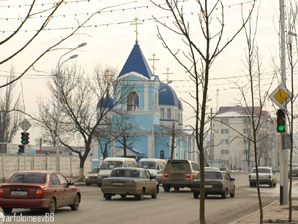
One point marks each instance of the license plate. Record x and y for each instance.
(118, 183)
(18, 193)
(208, 186)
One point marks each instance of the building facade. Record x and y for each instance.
(146, 117)
(233, 134)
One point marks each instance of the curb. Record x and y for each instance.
(237, 221)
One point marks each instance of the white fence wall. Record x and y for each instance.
(69, 164)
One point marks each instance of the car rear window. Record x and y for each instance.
(109, 165)
(178, 165)
(28, 178)
(125, 173)
(147, 165)
(211, 175)
(261, 170)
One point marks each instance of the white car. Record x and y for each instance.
(266, 176)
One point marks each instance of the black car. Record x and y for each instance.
(216, 183)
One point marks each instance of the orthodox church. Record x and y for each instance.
(148, 118)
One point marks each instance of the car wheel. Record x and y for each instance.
(166, 188)
(154, 195)
(123, 196)
(251, 184)
(52, 206)
(141, 195)
(76, 203)
(87, 184)
(107, 196)
(196, 194)
(224, 194)
(99, 184)
(7, 210)
(233, 194)
(271, 185)
(274, 185)
(176, 188)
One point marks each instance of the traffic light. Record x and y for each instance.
(21, 148)
(23, 138)
(26, 138)
(281, 120)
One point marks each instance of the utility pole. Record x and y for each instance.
(284, 152)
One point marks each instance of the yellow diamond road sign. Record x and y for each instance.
(281, 96)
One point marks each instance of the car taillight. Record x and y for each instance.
(164, 174)
(249, 176)
(1, 191)
(189, 175)
(269, 176)
(39, 191)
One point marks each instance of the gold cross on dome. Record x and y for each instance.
(136, 23)
(153, 59)
(167, 73)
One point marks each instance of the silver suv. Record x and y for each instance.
(179, 173)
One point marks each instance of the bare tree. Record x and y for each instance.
(46, 15)
(199, 60)
(123, 130)
(79, 93)
(9, 118)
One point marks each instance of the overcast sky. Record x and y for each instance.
(110, 38)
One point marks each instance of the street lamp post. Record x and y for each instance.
(58, 101)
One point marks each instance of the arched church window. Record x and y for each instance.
(162, 154)
(132, 103)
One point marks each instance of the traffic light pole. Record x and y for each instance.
(281, 190)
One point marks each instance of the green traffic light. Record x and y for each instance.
(281, 128)
(23, 142)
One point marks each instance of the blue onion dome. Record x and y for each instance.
(167, 96)
(106, 102)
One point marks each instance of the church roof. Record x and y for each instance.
(136, 62)
(169, 96)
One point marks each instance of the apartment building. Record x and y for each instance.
(232, 137)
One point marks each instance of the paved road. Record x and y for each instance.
(171, 207)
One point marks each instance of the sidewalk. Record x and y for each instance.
(273, 213)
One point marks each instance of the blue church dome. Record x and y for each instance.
(106, 102)
(169, 96)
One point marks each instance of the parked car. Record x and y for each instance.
(266, 176)
(47, 190)
(110, 163)
(179, 173)
(294, 172)
(155, 167)
(129, 181)
(212, 168)
(91, 177)
(216, 183)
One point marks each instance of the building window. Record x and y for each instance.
(245, 120)
(169, 113)
(162, 113)
(246, 131)
(176, 114)
(162, 154)
(225, 120)
(224, 141)
(225, 131)
(225, 152)
(132, 101)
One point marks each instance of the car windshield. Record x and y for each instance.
(95, 170)
(211, 175)
(261, 170)
(147, 165)
(28, 178)
(125, 173)
(109, 165)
